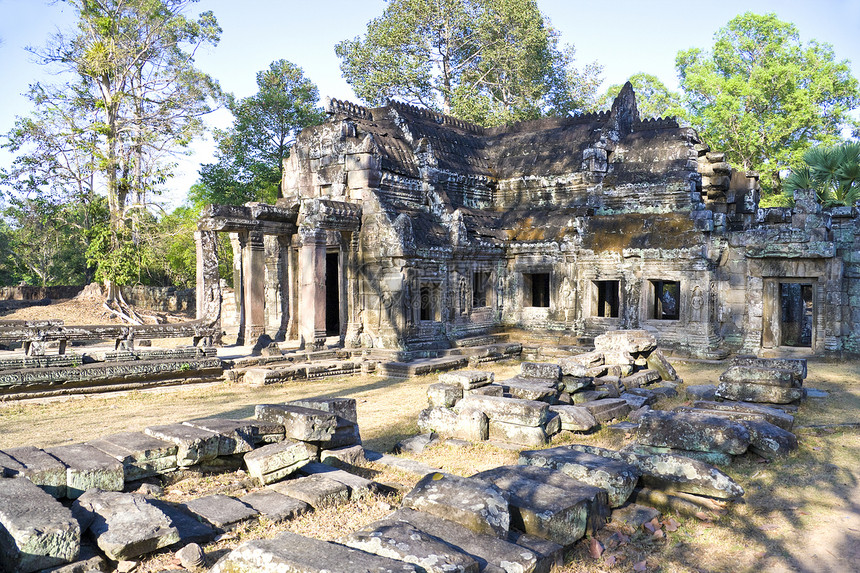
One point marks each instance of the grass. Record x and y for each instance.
(801, 513)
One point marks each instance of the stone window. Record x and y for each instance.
(667, 300)
(795, 308)
(606, 298)
(536, 289)
(480, 289)
(429, 302)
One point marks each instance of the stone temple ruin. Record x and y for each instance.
(401, 231)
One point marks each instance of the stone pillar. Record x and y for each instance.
(284, 287)
(312, 278)
(254, 286)
(237, 241)
(292, 293)
(208, 282)
(354, 326)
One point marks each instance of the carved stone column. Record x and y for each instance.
(237, 241)
(254, 286)
(286, 308)
(208, 282)
(312, 277)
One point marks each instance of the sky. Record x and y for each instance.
(625, 36)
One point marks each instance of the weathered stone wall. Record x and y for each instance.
(165, 299)
(29, 292)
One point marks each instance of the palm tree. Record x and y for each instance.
(834, 173)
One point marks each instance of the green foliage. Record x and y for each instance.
(653, 98)
(251, 153)
(487, 61)
(765, 97)
(834, 173)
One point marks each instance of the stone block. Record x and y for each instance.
(39, 467)
(701, 391)
(315, 490)
(629, 341)
(758, 375)
(141, 455)
(343, 457)
(759, 393)
(587, 359)
(571, 366)
(305, 424)
(713, 458)
(538, 508)
(545, 370)
(692, 432)
(472, 425)
(442, 395)
(342, 407)
(576, 383)
(416, 444)
(489, 390)
(294, 553)
(442, 421)
(492, 553)
(405, 542)
(36, 531)
(124, 525)
(274, 506)
(276, 461)
(90, 560)
(346, 434)
(467, 379)
(550, 556)
(769, 441)
(616, 477)
(673, 472)
(222, 511)
(775, 416)
(795, 365)
(88, 468)
(476, 505)
(508, 410)
(358, 486)
(634, 515)
(658, 362)
(538, 389)
(533, 436)
(234, 436)
(190, 527)
(575, 418)
(641, 378)
(607, 409)
(404, 464)
(635, 402)
(194, 445)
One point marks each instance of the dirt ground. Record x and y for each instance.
(799, 514)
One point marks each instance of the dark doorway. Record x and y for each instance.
(607, 298)
(667, 300)
(795, 301)
(332, 294)
(536, 289)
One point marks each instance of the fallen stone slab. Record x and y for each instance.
(674, 473)
(582, 397)
(712, 458)
(607, 409)
(701, 391)
(761, 393)
(516, 434)
(530, 389)
(292, 553)
(641, 378)
(692, 432)
(89, 560)
(416, 444)
(538, 508)
(190, 527)
(276, 461)
(474, 504)
(124, 525)
(630, 341)
(576, 383)
(342, 407)
(234, 436)
(36, 531)
(404, 542)
(472, 426)
(315, 490)
(346, 456)
(574, 367)
(679, 503)
(543, 370)
(39, 467)
(222, 511)
(194, 445)
(616, 477)
(759, 375)
(657, 361)
(768, 440)
(550, 555)
(635, 402)
(467, 379)
(358, 486)
(492, 553)
(634, 515)
(488, 390)
(775, 416)
(87, 468)
(305, 424)
(508, 410)
(405, 464)
(442, 395)
(575, 418)
(140, 454)
(795, 365)
(275, 506)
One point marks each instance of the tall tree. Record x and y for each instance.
(137, 97)
(251, 153)
(653, 98)
(765, 97)
(489, 61)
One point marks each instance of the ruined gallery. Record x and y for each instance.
(402, 230)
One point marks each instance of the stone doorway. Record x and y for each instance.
(796, 314)
(332, 294)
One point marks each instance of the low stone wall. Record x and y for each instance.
(165, 299)
(29, 292)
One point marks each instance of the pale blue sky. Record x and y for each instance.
(626, 36)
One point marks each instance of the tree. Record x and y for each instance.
(834, 173)
(137, 100)
(765, 97)
(653, 98)
(251, 153)
(488, 61)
